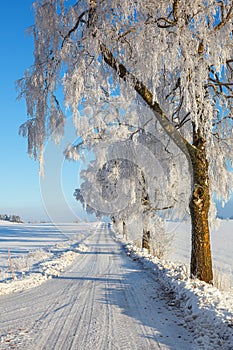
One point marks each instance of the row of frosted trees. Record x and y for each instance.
(11, 218)
(172, 61)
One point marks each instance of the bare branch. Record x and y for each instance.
(168, 22)
(224, 19)
(175, 9)
(73, 29)
(222, 120)
(184, 121)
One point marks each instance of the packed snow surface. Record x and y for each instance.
(102, 294)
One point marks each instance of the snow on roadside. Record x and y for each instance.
(208, 313)
(38, 266)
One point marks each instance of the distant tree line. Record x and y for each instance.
(11, 218)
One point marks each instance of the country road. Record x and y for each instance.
(104, 301)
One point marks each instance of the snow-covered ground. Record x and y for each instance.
(208, 313)
(32, 253)
(204, 315)
(221, 244)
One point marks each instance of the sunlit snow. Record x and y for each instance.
(41, 252)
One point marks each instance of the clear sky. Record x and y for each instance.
(20, 184)
(22, 191)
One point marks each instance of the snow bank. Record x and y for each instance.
(208, 313)
(38, 266)
(5, 222)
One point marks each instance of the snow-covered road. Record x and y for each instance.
(103, 301)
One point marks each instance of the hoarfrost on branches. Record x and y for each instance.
(172, 61)
(119, 188)
(180, 50)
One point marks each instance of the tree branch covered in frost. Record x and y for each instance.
(174, 57)
(131, 187)
(118, 189)
(139, 156)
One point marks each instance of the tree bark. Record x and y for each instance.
(201, 260)
(146, 240)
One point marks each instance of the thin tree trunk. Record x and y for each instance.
(201, 260)
(146, 240)
(124, 230)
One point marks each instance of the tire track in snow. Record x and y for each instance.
(92, 339)
(118, 328)
(117, 325)
(38, 299)
(123, 329)
(65, 334)
(86, 315)
(98, 303)
(62, 314)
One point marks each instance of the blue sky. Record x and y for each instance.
(21, 187)
(19, 180)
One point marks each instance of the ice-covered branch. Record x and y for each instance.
(224, 18)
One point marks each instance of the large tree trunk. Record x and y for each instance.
(201, 261)
(146, 240)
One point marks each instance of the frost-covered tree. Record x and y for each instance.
(11, 218)
(120, 189)
(135, 178)
(174, 56)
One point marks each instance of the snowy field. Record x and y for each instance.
(34, 254)
(20, 239)
(221, 244)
